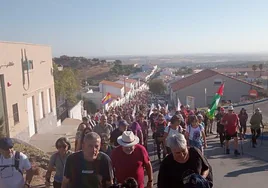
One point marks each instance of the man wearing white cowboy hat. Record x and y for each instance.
(129, 160)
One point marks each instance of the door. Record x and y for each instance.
(30, 116)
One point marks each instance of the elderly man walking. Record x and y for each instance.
(129, 160)
(88, 168)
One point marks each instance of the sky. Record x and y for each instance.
(137, 27)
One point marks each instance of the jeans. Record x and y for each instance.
(158, 147)
(255, 135)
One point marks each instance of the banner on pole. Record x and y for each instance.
(190, 101)
(179, 105)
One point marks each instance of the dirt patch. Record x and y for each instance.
(39, 161)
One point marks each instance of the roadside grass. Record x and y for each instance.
(39, 161)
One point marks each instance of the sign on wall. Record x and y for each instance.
(190, 101)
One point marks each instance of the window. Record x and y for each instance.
(15, 113)
(49, 106)
(28, 65)
(217, 81)
(41, 105)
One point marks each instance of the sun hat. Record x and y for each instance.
(230, 108)
(128, 139)
(6, 143)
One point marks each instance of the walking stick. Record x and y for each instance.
(262, 135)
(242, 148)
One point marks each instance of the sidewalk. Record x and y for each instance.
(46, 141)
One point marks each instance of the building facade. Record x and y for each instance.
(27, 97)
(200, 88)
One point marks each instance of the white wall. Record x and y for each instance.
(76, 111)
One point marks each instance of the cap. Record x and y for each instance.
(230, 108)
(6, 143)
(123, 123)
(221, 109)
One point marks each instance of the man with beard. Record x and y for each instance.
(88, 168)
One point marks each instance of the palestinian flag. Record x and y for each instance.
(215, 102)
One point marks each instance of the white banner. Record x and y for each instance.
(190, 101)
(179, 105)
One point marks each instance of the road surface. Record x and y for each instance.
(247, 171)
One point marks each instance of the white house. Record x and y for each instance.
(202, 87)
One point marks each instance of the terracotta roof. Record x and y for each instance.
(194, 78)
(114, 84)
(131, 80)
(198, 77)
(232, 70)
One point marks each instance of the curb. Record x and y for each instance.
(264, 137)
(246, 104)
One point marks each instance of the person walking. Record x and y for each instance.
(231, 125)
(88, 168)
(220, 126)
(256, 123)
(159, 135)
(172, 129)
(12, 165)
(243, 118)
(57, 162)
(130, 159)
(103, 126)
(195, 134)
(181, 162)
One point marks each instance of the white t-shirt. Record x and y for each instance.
(171, 132)
(195, 134)
(10, 177)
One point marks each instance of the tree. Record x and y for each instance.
(157, 86)
(260, 67)
(118, 62)
(89, 106)
(254, 68)
(66, 84)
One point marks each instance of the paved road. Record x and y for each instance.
(247, 171)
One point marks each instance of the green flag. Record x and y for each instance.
(215, 102)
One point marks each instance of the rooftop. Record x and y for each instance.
(24, 43)
(114, 84)
(198, 77)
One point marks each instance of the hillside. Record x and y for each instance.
(94, 70)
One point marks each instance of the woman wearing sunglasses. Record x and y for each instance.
(57, 162)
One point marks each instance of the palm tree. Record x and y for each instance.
(254, 68)
(260, 67)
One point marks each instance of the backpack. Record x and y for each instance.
(78, 168)
(16, 163)
(195, 181)
(179, 129)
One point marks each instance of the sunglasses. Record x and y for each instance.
(62, 146)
